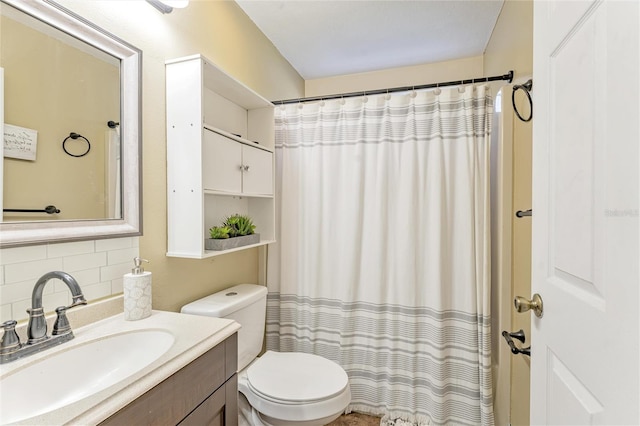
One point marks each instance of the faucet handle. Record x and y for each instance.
(61, 326)
(10, 340)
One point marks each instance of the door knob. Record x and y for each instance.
(523, 305)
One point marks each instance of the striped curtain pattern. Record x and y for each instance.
(382, 260)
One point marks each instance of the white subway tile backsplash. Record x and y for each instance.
(19, 309)
(57, 285)
(22, 254)
(98, 266)
(96, 291)
(87, 277)
(122, 256)
(5, 312)
(33, 270)
(117, 286)
(114, 244)
(84, 261)
(113, 272)
(70, 249)
(20, 290)
(51, 301)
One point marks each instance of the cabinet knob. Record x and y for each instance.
(246, 168)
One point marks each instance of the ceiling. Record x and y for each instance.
(336, 37)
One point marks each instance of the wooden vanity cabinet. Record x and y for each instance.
(204, 392)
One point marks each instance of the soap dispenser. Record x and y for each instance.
(137, 292)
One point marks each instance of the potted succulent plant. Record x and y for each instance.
(236, 231)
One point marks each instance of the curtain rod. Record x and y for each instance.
(508, 76)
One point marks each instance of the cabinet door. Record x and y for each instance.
(221, 163)
(211, 412)
(257, 176)
(220, 409)
(174, 398)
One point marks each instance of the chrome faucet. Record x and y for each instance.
(37, 339)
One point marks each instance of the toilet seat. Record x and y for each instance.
(295, 387)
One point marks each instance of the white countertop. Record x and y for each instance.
(194, 335)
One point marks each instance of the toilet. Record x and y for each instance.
(277, 388)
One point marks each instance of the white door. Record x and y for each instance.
(257, 176)
(585, 358)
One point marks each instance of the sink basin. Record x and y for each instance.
(82, 370)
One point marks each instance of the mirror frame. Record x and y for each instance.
(13, 234)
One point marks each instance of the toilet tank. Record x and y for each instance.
(243, 303)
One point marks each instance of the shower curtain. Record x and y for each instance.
(382, 260)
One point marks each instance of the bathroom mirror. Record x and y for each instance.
(71, 134)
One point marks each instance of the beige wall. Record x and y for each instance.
(221, 32)
(397, 77)
(511, 47)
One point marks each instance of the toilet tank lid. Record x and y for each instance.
(227, 301)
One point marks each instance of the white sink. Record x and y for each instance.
(55, 381)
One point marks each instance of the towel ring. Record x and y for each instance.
(526, 88)
(75, 136)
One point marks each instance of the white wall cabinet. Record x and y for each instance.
(220, 138)
(237, 168)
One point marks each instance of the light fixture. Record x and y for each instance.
(167, 6)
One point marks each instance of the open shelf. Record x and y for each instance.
(220, 140)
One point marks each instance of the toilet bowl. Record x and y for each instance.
(295, 388)
(278, 388)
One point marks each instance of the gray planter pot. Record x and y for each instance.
(230, 243)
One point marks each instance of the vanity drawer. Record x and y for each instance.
(199, 389)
